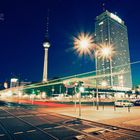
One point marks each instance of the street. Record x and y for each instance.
(28, 122)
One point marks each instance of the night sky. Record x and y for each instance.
(23, 29)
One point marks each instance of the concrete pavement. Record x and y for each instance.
(120, 117)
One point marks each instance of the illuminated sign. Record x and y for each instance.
(115, 17)
(14, 80)
(101, 23)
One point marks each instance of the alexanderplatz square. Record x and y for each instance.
(104, 96)
(110, 50)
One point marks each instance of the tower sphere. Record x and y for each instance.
(46, 44)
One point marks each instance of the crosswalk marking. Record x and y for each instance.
(16, 133)
(47, 128)
(29, 131)
(1, 135)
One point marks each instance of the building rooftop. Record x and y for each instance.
(111, 15)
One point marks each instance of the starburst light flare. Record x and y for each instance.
(83, 44)
(105, 51)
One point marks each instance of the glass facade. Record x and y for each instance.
(111, 30)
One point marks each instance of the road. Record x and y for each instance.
(25, 122)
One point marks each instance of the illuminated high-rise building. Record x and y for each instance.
(111, 30)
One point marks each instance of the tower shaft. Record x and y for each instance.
(45, 70)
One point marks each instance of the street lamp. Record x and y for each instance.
(83, 44)
(106, 51)
(97, 93)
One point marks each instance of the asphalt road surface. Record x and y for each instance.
(25, 122)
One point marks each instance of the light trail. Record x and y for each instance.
(36, 85)
(82, 74)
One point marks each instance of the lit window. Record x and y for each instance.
(101, 23)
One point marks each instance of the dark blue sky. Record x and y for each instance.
(23, 30)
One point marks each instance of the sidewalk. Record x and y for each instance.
(121, 117)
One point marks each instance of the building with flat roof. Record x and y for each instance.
(111, 30)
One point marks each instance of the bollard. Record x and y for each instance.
(114, 108)
(129, 108)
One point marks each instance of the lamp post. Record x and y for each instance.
(111, 78)
(75, 95)
(81, 90)
(83, 44)
(97, 93)
(106, 51)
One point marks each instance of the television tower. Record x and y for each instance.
(46, 46)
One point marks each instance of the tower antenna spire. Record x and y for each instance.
(103, 6)
(47, 28)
